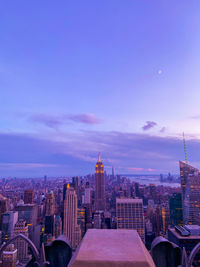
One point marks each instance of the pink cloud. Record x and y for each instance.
(85, 118)
(150, 170)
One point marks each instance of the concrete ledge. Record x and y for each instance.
(111, 248)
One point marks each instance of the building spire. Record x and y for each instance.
(185, 150)
(99, 157)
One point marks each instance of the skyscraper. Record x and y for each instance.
(9, 220)
(176, 211)
(113, 172)
(87, 196)
(3, 207)
(28, 197)
(20, 244)
(49, 213)
(129, 213)
(190, 185)
(99, 186)
(71, 229)
(28, 212)
(50, 204)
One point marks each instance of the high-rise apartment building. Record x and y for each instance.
(190, 185)
(99, 186)
(20, 244)
(9, 256)
(28, 196)
(71, 229)
(129, 213)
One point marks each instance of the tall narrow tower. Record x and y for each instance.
(71, 229)
(99, 186)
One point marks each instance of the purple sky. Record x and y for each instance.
(79, 77)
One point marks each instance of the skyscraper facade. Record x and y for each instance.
(9, 220)
(87, 195)
(49, 213)
(9, 257)
(3, 208)
(190, 185)
(176, 211)
(99, 186)
(129, 213)
(28, 197)
(50, 204)
(20, 244)
(71, 229)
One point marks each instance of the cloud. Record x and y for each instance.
(54, 122)
(47, 120)
(150, 170)
(85, 118)
(26, 165)
(149, 125)
(76, 153)
(163, 129)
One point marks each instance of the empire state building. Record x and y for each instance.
(99, 186)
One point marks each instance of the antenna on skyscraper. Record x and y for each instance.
(185, 150)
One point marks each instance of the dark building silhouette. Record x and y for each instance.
(3, 208)
(176, 211)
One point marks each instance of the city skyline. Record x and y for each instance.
(117, 78)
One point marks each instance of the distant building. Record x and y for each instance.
(99, 186)
(9, 220)
(57, 226)
(9, 256)
(49, 213)
(28, 212)
(190, 184)
(81, 220)
(165, 218)
(175, 209)
(152, 189)
(50, 204)
(113, 172)
(97, 220)
(71, 229)
(129, 213)
(28, 196)
(87, 196)
(20, 244)
(75, 184)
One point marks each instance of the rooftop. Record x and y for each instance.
(111, 248)
(129, 200)
(183, 237)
